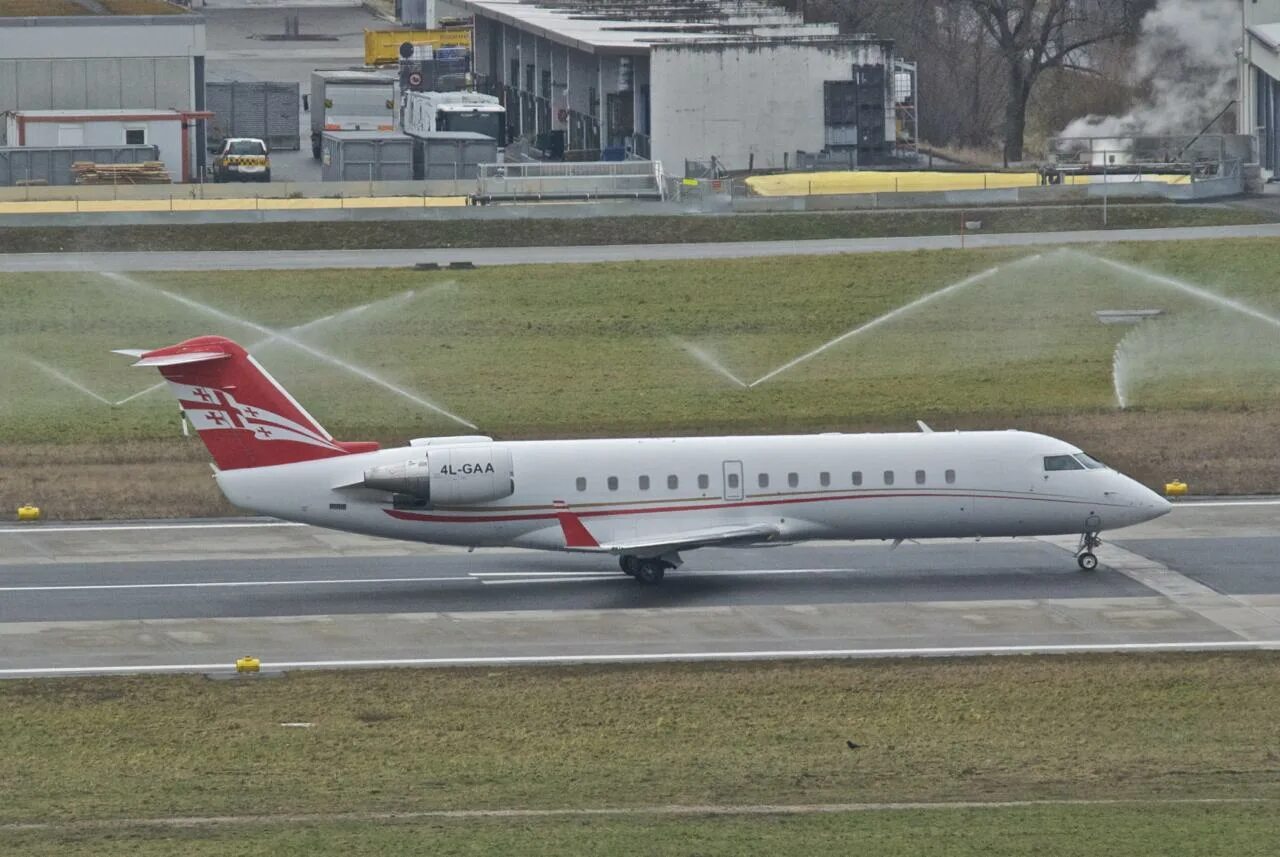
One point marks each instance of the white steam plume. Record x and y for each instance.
(1185, 59)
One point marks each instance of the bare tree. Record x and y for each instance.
(1034, 35)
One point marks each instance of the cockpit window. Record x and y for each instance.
(1090, 462)
(1062, 462)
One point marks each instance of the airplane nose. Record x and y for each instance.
(1153, 502)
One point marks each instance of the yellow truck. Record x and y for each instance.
(242, 159)
(382, 47)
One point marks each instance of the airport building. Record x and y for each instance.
(137, 63)
(1260, 80)
(684, 81)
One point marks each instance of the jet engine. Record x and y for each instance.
(449, 476)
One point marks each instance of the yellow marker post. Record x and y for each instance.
(1176, 488)
(28, 512)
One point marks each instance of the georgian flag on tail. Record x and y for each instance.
(243, 415)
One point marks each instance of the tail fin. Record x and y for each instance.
(242, 414)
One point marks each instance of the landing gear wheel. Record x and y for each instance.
(650, 571)
(629, 564)
(1087, 561)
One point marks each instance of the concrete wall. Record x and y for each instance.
(750, 99)
(166, 135)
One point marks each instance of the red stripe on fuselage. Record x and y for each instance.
(485, 517)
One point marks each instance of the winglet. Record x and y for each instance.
(576, 536)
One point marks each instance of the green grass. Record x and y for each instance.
(582, 350)
(554, 231)
(1142, 729)
(1134, 831)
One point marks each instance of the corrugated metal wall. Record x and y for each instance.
(262, 109)
(53, 165)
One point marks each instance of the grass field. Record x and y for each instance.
(624, 348)
(1141, 729)
(541, 231)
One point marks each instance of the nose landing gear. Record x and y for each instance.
(1085, 557)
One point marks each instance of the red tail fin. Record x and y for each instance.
(243, 416)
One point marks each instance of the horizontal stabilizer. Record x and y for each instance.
(130, 352)
(179, 359)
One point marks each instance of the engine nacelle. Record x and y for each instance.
(449, 476)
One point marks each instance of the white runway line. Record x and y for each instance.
(227, 584)
(228, 665)
(111, 528)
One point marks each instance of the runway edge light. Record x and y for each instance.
(1176, 488)
(28, 512)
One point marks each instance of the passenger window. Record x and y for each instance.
(919, 477)
(644, 483)
(857, 477)
(672, 482)
(733, 480)
(704, 481)
(613, 483)
(824, 479)
(793, 479)
(1061, 462)
(951, 477)
(888, 477)
(582, 483)
(763, 480)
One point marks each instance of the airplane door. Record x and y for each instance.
(733, 480)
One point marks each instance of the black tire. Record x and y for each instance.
(650, 571)
(1087, 561)
(628, 564)
(266, 177)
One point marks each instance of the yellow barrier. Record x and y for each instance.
(902, 181)
(382, 47)
(241, 204)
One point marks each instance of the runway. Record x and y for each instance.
(193, 596)
(308, 259)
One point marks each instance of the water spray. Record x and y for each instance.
(288, 339)
(64, 378)
(705, 358)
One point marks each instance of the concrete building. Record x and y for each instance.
(742, 81)
(104, 62)
(1260, 80)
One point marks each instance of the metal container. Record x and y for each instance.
(376, 156)
(352, 100)
(262, 109)
(52, 165)
(453, 154)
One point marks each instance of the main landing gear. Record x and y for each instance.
(1085, 557)
(647, 570)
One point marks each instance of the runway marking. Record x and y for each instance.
(229, 584)
(660, 657)
(1203, 503)
(667, 809)
(111, 528)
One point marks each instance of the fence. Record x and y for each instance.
(583, 180)
(52, 166)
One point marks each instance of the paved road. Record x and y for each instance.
(294, 259)
(103, 598)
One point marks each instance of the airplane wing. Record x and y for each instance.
(655, 545)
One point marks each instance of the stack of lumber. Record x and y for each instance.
(148, 172)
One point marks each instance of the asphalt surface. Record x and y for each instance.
(195, 595)
(303, 259)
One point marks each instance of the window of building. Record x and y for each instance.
(704, 481)
(888, 477)
(135, 136)
(793, 479)
(613, 483)
(546, 84)
(514, 80)
(582, 483)
(528, 78)
(919, 477)
(951, 477)
(644, 483)
(763, 480)
(1062, 462)
(857, 477)
(824, 479)
(673, 482)
(733, 480)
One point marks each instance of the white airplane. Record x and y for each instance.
(644, 500)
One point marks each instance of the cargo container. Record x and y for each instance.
(376, 156)
(452, 155)
(352, 100)
(52, 165)
(253, 108)
(382, 47)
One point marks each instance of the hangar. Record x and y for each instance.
(1260, 80)
(684, 81)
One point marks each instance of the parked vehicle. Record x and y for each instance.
(242, 159)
